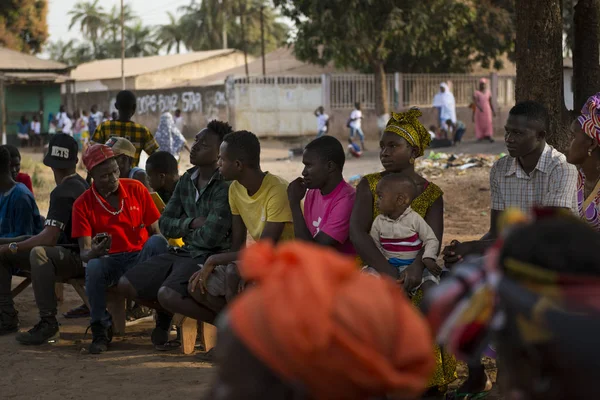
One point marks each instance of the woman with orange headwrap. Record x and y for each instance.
(314, 327)
(403, 141)
(585, 153)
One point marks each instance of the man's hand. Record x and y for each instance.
(412, 277)
(455, 252)
(199, 278)
(296, 191)
(101, 245)
(432, 266)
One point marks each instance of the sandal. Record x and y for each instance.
(78, 312)
(168, 346)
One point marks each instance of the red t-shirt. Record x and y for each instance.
(25, 180)
(128, 229)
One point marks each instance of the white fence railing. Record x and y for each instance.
(407, 90)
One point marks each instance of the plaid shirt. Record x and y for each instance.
(188, 202)
(137, 134)
(553, 183)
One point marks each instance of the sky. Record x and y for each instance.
(152, 12)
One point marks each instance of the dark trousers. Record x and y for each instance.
(46, 265)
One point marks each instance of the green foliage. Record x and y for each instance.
(23, 25)
(407, 35)
(203, 23)
(200, 27)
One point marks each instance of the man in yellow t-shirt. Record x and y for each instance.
(259, 206)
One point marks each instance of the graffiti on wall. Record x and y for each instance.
(160, 103)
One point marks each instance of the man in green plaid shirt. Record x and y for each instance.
(124, 127)
(199, 213)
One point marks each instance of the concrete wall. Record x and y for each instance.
(198, 105)
(277, 110)
(195, 70)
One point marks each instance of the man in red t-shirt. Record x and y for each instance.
(116, 223)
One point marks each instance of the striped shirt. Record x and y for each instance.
(404, 237)
(553, 183)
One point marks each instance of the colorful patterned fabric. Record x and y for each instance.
(420, 204)
(591, 214)
(445, 371)
(590, 117)
(465, 309)
(137, 134)
(315, 320)
(408, 126)
(168, 137)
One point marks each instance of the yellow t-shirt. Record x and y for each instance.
(269, 204)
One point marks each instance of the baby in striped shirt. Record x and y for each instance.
(399, 232)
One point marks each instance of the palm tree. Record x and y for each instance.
(172, 34)
(91, 18)
(60, 51)
(113, 21)
(140, 41)
(203, 23)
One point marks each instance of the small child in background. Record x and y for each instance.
(433, 131)
(399, 232)
(458, 129)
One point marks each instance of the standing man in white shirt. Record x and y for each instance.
(354, 123)
(179, 122)
(322, 121)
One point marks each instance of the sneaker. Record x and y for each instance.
(100, 338)
(45, 331)
(9, 322)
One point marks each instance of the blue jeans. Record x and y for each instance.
(359, 132)
(102, 273)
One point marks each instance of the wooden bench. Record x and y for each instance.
(189, 333)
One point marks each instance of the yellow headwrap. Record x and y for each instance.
(408, 126)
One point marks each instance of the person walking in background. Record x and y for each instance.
(483, 112)
(322, 121)
(66, 123)
(446, 105)
(179, 121)
(354, 123)
(124, 127)
(79, 129)
(169, 136)
(95, 119)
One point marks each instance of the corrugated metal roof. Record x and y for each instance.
(111, 68)
(279, 62)
(14, 60)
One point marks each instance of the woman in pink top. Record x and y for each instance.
(483, 112)
(328, 199)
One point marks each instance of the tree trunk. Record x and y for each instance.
(540, 63)
(586, 69)
(381, 98)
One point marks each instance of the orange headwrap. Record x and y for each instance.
(314, 318)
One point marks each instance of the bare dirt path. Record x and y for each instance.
(132, 369)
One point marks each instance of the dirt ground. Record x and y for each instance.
(132, 369)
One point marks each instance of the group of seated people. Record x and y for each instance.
(113, 234)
